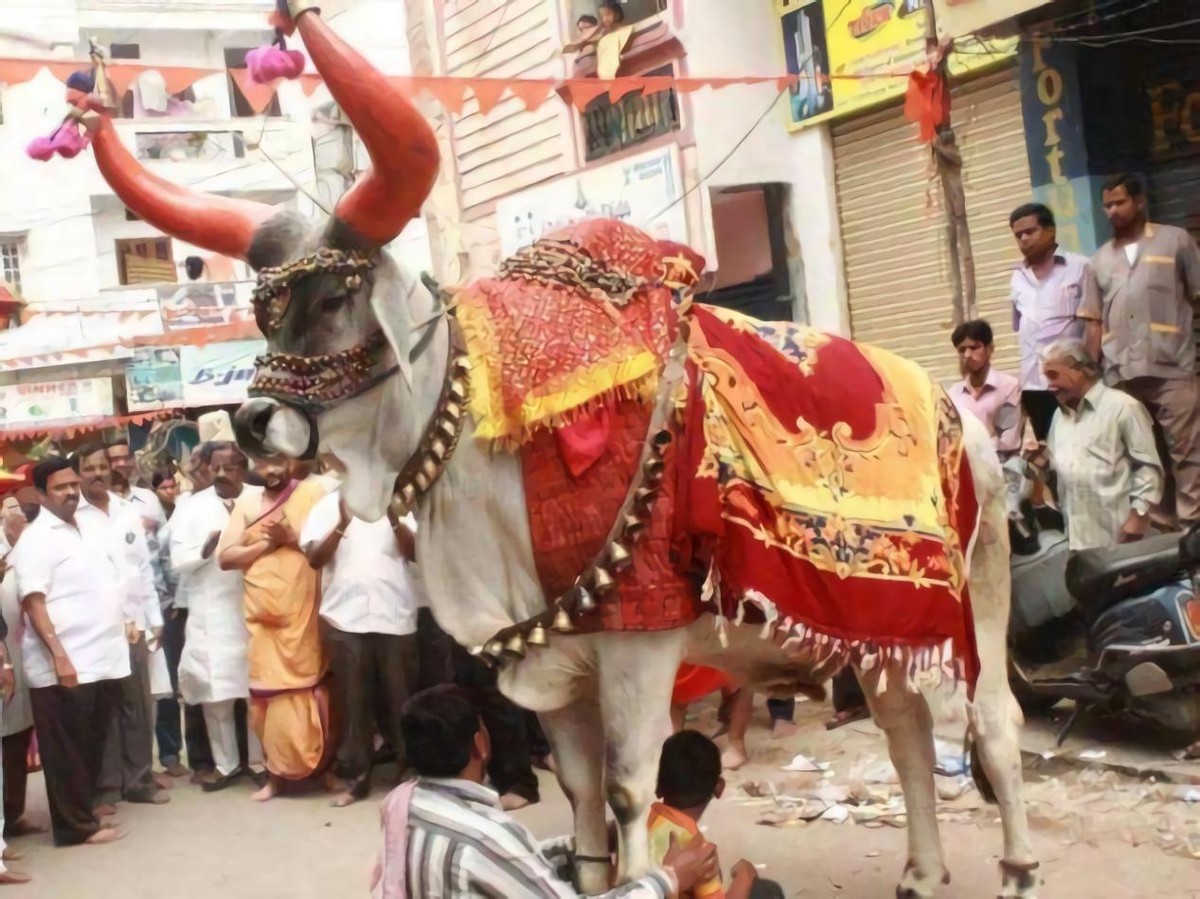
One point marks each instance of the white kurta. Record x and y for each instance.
(214, 666)
(16, 715)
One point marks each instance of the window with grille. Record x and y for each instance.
(10, 262)
(146, 261)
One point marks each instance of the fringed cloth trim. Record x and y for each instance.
(921, 667)
(567, 397)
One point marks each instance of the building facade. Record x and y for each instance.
(94, 279)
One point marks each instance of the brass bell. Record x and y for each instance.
(408, 494)
(602, 581)
(437, 449)
(447, 428)
(633, 526)
(421, 482)
(454, 411)
(643, 495)
(619, 556)
(587, 602)
(537, 636)
(462, 364)
(493, 648)
(515, 646)
(562, 622)
(429, 468)
(458, 390)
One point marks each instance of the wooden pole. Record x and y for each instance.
(948, 158)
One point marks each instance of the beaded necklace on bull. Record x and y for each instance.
(317, 382)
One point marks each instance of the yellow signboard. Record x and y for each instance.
(853, 54)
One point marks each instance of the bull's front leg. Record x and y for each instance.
(576, 737)
(637, 674)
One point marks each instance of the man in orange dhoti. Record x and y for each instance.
(288, 703)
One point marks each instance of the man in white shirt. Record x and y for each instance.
(1048, 291)
(127, 772)
(369, 603)
(74, 649)
(214, 671)
(124, 483)
(1101, 445)
(12, 691)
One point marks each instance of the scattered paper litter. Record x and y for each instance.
(1092, 755)
(838, 814)
(803, 763)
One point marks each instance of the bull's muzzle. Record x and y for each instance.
(266, 427)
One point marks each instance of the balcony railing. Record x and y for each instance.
(634, 119)
(179, 146)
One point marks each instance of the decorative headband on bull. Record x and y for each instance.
(296, 266)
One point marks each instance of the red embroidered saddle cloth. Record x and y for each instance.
(815, 483)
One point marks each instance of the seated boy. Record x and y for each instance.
(689, 778)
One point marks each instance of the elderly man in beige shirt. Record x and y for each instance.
(1101, 445)
(1149, 278)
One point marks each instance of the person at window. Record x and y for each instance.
(985, 390)
(1101, 445)
(1047, 292)
(1149, 277)
(446, 827)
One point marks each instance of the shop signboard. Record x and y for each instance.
(851, 55)
(54, 402)
(645, 191)
(218, 374)
(152, 379)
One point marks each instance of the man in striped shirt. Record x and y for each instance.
(445, 835)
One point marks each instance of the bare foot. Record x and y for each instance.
(267, 793)
(342, 800)
(14, 877)
(175, 770)
(110, 824)
(733, 758)
(13, 855)
(333, 784)
(105, 835)
(510, 802)
(783, 728)
(23, 828)
(162, 780)
(105, 811)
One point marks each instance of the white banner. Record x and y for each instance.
(646, 191)
(218, 374)
(958, 18)
(22, 405)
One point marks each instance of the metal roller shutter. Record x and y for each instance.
(894, 230)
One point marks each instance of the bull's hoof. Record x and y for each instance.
(1019, 880)
(915, 885)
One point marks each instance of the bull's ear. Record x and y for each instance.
(394, 293)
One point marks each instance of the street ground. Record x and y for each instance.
(1098, 832)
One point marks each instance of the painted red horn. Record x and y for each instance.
(219, 224)
(402, 146)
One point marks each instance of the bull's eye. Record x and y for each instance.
(333, 303)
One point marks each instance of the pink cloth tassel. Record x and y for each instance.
(40, 149)
(69, 142)
(267, 64)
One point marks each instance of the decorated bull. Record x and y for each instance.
(610, 479)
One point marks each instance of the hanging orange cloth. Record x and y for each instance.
(927, 103)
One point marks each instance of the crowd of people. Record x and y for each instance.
(249, 625)
(239, 616)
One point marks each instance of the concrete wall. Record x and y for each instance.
(725, 38)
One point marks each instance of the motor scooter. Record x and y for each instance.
(1114, 629)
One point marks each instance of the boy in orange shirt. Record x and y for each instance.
(689, 778)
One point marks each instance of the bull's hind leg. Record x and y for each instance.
(995, 716)
(904, 716)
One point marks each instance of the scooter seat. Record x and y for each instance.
(1101, 578)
